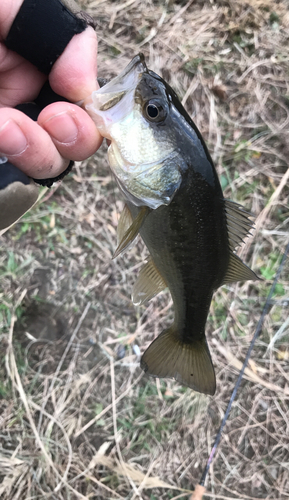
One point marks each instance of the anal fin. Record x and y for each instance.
(148, 284)
(190, 364)
(127, 233)
(238, 271)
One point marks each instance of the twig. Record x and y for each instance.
(71, 340)
(265, 212)
(113, 401)
(16, 380)
(103, 412)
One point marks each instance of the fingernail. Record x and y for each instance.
(12, 139)
(61, 127)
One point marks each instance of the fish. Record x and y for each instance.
(174, 200)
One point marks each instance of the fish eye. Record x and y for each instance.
(154, 111)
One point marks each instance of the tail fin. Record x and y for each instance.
(189, 364)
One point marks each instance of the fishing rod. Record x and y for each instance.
(200, 488)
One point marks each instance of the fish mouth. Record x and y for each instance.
(117, 96)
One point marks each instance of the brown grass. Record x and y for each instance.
(78, 419)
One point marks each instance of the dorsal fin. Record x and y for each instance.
(238, 271)
(148, 284)
(238, 223)
(128, 236)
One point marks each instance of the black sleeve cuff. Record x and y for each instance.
(41, 31)
(49, 182)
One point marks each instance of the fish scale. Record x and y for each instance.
(174, 200)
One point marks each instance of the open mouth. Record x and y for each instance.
(114, 91)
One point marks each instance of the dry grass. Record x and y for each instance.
(78, 419)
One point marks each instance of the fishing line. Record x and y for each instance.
(267, 307)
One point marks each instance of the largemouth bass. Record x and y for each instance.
(175, 201)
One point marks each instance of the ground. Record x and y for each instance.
(78, 418)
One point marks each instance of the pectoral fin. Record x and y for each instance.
(238, 223)
(124, 223)
(148, 284)
(127, 237)
(190, 364)
(238, 271)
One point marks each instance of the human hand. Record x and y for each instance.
(63, 131)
